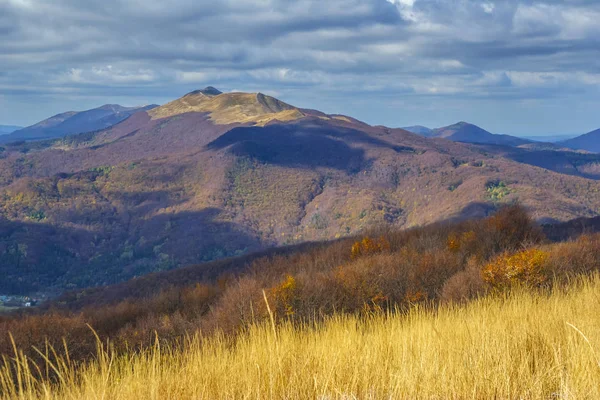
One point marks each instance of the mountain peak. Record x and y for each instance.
(230, 108)
(460, 124)
(463, 131)
(589, 142)
(207, 91)
(111, 107)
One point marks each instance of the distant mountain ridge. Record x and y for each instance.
(468, 133)
(73, 122)
(6, 129)
(419, 130)
(588, 142)
(550, 138)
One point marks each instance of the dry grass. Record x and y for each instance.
(523, 345)
(230, 108)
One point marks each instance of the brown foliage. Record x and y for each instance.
(369, 246)
(397, 270)
(464, 285)
(527, 267)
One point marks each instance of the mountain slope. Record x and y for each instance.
(420, 130)
(588, 142)
(228, 108)
(5, 129)
(469, 133)
(213, 175)
(549, 139)
(73, 122)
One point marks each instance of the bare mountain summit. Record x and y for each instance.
(230, 108)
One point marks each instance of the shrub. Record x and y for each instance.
(284, 297)
(464, 285)
(384, 268)
(457, 242)
(357, 286)
(578, 257)
(509, 229)
(37, 215)
(369, 246)
(497, 190)
(527, 268)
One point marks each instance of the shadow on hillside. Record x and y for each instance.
(148, 202)
(34, 253)
(37, 256)
(153, 283)
(197, 236)
(562, 231)
(563, 162)
(305, 145)
(473, 210)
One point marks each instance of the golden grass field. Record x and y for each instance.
(524, 345)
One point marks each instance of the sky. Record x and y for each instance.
(509, 66)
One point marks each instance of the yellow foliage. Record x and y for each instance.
(284, 295)
(456, 242)
(453, 242)
(416, 296)
(369, 246)
(522, 268)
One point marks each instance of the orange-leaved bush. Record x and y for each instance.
(369, 246)
(284, 296)
(456, 241)
(526, 267)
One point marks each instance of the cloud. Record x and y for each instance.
(488, 7)
(106, 75)
(310, 51)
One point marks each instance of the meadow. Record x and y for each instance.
(524, 344)
(479, 309)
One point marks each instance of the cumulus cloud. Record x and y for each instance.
(312, 52)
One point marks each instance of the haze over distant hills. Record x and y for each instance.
(468, 133)
(212, 175)
(419, 130)
(5, 129)
(550, 138)
(73, 122)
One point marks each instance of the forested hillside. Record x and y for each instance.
(215, 175)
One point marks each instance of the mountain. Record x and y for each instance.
(213, 175)
(419, 129)
(5, 129)
(469, 133)
(588, 142)
(73, 122)
(230, 108)
(549, 139)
